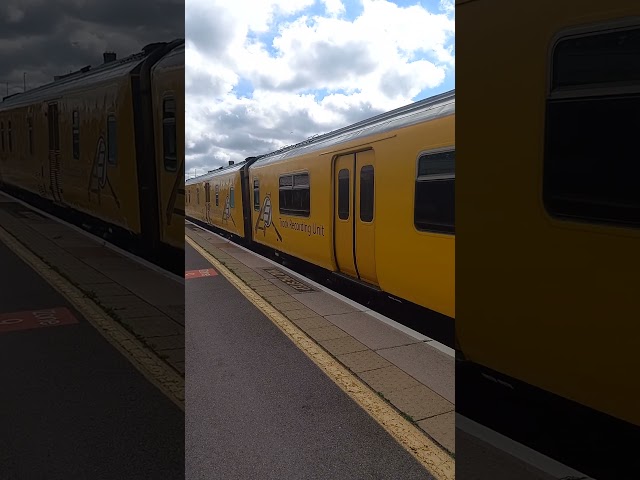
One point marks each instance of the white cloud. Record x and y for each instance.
(262, 74)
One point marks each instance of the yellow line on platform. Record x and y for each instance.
(434, 459)
(145, 360)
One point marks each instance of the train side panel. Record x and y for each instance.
(540, 293)
(217, 200)
(303, 229)
(415, 265)
(102, 180)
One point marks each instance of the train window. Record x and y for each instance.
(366, 193)
(112, 140)
(9, 136)
(591, 147)
(197, 195)
(169, 133)
(30, 134)
(232, 198)
(256, 194)
(54, 131)
(217, 195)
(207, 193)
(2, 135)
(76, 135)
(343, 194)
(434, 208)
(295, 195)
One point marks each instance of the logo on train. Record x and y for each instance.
(265, 217)
(226, 212)
(99, 178)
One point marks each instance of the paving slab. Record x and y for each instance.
(388, 379)
(370, 331)
(442, 429)
(324, 304)
(427, 365)
(419, 402)
(363, 361)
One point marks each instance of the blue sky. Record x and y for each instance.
(265, 73)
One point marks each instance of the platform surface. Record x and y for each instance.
(72, 405)
(258, 407)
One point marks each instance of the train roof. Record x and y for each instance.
(175, 58)
(215, 173)
(424, 110)
(84, 77)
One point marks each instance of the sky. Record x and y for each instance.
(44, 38)
(263, 74)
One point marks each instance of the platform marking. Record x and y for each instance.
(207, 272)
(430, 455)
(142, 358)
(30, 319)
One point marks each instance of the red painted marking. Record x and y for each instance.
(49, 317)
(207, 272)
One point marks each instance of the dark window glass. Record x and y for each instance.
(256, 194)
(366, 193)
(76, 135)
(232, 198)
(2, 135)
(217, 195)
(343, 194)
(197, 195)
(295, 195)
(54, 132)
(604, 58)
(435, 193)
(591, 160)
(30, 134)
(169, 134)
(112, 140)
(9, 136)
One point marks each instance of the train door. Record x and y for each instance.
(354, 224)
(54, 151)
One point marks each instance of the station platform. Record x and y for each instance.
(91, 354)
(245, 374)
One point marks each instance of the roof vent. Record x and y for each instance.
(231, 162)
(109, 57)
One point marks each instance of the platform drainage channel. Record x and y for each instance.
(291, 282)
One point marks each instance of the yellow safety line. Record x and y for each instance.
(147, 362)
(435, 460)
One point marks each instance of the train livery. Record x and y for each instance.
(104, 147)
(373, 202)
(549, 203)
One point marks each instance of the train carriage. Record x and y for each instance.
(372, 202)
(167, 83)
(216, 199)
(550, 255)
(83, 148)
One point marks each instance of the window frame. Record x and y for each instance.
(170, 162)
(373, 198)
(583, 92)
(432, 178)
(9, 137)
(232, 197)
(111, 118)
(256, 199)
(75, 134)
(2, 142)
(30, 134)
(304, 213)
(216, 189)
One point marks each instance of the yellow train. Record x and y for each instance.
(372, 202)
(548, 197)
(104, 147)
